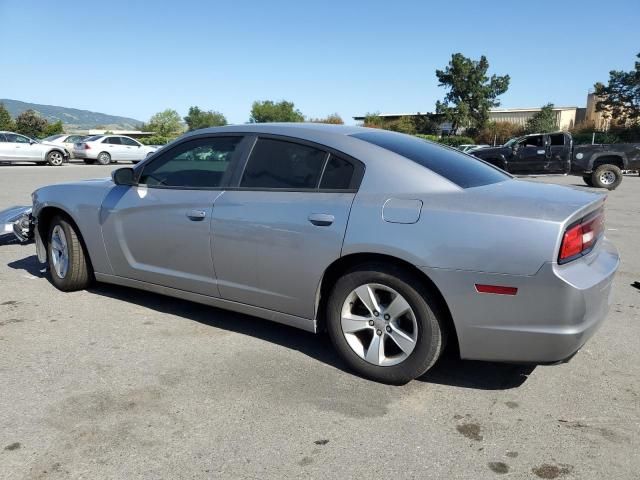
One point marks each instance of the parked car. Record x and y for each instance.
(554, 153)
(394, 245)
(105, 149)
(65, 140)
(20, 148)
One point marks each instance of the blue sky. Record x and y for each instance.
(135, 58)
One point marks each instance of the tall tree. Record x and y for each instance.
(197, 119)
(269, 111)
(620, 98)
(6, 122)
(471, 92)
(543, 121)
(31, 124)
(166, 123)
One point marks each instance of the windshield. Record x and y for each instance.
(51, 138)
(459, 168)
(510, 142)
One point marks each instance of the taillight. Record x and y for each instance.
(579, 239)
(87, 147)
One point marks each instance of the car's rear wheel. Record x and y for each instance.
(89, 161)
(607, 176)
(587, 180)
(104, 158)
(55, 158)
(68, 261)
(385, 323)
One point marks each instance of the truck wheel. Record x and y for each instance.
(587, 180)
(607, 176)
(55, 158)
(384, 323)
(104, 158)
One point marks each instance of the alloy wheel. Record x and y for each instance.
(59, 251)
(55, 158)
(379, 324)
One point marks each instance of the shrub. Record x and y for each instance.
(455, 141)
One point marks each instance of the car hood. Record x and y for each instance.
(521, 198)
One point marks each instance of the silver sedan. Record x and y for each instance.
(393, 245)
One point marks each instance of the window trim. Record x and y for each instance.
(237, 158)
(356, 179)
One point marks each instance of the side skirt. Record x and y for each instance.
(278, 317)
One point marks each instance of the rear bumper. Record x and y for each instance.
(550, 318)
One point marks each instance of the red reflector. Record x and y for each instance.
(496, 289)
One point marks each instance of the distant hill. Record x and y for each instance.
(72, 117)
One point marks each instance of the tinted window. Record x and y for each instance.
(280, 164)
(113, 140)
(195, 164)
(13, 138)
(557, 139)
(533, 141)
(2, 137)
(463, 170)
(129, 141)
(337, 174)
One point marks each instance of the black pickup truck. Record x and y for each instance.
(554, 153)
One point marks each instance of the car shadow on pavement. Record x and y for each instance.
(449, 370)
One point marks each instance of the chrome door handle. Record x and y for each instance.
(321, 219)
(196, 215)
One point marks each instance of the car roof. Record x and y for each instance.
(305, 128)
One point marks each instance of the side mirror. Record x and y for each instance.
(124, 176)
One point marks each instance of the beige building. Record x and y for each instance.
(565, 116)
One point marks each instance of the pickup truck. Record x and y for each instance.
(554, 153)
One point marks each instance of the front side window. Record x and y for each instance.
(536, 141)
(129, 141)
(457, 167)
(557, 139)
(203, 163)
(283, 165)
(13, 138)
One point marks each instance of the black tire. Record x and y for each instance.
(430, 336)
(78, 274)
(587, 180)
(55, 158)
(89, 161)
(103, 158)
(607, 176)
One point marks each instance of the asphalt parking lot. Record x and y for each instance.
(117, 383)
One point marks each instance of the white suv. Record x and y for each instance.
(105, 149)
(18, 148)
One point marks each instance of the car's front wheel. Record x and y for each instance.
(104, 158)
(55, 158)
(385, 323)
(68, 261)
(607, 176)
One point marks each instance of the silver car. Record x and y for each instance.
(20, 148)
(393, 245)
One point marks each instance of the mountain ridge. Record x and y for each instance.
(72, 117)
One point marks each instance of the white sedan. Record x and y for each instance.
(65, 140)
(105, 149)
(19, 148)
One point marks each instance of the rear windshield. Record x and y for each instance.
(463, 170)
(92, 138)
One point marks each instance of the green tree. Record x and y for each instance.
(471, 92)
(53, 128)
(269, 111)
(333, 119)
(197, 119)
(6, 122)
(620, 98)
(543, 121)
(165, 124)
(31, 124)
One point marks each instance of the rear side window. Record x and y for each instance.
(463, 170)
(337, 174)
(284, 165)
(112, 140)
